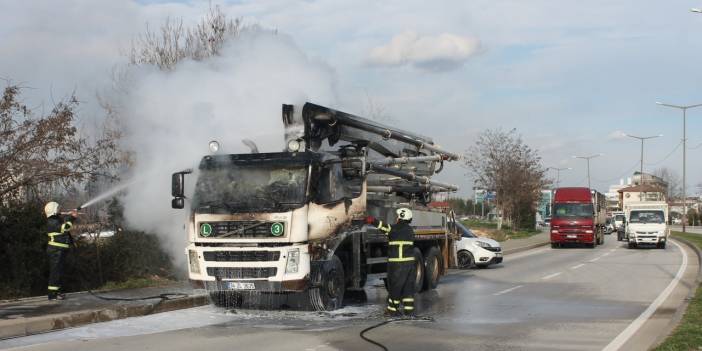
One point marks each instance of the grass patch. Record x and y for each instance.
(489, 229)
(136, 283)
(687, 335)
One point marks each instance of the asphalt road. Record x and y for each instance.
(542, 299)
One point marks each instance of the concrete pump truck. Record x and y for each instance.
(292, 222)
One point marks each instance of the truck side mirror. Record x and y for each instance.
(178, 184)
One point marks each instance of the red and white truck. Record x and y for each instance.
(578, 216)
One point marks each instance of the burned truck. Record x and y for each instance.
(292, 222)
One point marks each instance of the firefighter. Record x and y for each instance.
(401, 265)
(60, 240)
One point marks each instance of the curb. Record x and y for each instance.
(677, 317)
(524, 248)
(36, 325)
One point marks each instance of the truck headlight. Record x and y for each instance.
(194, 264)
(293, 261)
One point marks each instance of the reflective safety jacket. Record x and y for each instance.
(400, 240)
(59, 231)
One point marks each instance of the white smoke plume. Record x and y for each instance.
(170, 116)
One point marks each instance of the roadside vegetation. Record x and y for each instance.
(687, 335)
(489, 230)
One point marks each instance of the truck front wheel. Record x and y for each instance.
(329, 294)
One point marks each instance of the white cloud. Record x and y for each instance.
(616, 135)
(435, 53)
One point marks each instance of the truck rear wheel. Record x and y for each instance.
(432, 271)
(632, 245)
(329, 295)
(419, 270)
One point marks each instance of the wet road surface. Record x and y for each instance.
(542, 299)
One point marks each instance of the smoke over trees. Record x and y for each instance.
(500, 161)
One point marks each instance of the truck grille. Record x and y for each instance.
(242, 273)
(241, 256)
(241, 229)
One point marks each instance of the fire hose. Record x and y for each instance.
(402, 319)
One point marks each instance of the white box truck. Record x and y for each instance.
(646, 223)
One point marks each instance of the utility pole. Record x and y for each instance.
(588, 158)
(684, 145)
(641, 174)
(558, 174)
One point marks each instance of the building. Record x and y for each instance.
(648, 179)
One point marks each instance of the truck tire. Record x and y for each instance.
(329, 295)
(555, 245)
(419, 270)
(432, 270)
(661, 245)
(465, 259)
(632, 245)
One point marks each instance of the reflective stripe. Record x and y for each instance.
(409, 308)
(53, 288)
(54, 243)
(397, 302)
(409, 299)
(399, 242)
(52, 234)
(392, 309)
(386, 229)
(401, 259)
(66, 226)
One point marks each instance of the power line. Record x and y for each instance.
(621, 176)
(666, 157)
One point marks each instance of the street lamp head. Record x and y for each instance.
(696, 10)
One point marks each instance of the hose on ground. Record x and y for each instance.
(164, 296)
(403, 319)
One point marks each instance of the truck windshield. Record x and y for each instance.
(572, 210)
(646, 217)
(239, 187)
(619, 218)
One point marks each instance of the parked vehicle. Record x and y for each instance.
(474, 251)
(578, 216)
(647, 224)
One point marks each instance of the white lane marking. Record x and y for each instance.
(508, 290)
(578, 266)
(612, 250)
(551, 275)
(605, 254)
(627, 333)
(595, 259)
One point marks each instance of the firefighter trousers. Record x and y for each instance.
(401, 279)
(57, 258)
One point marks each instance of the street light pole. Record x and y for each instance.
(588, 158)
(558, 174)
(684, 140)
(641, 177)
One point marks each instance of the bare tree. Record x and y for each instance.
(173, 42)
(40, 150)
(501, 162)
(674, 183)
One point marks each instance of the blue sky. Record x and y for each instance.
(567, 74)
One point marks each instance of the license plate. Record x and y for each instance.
(572, 236)
(241, 286)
